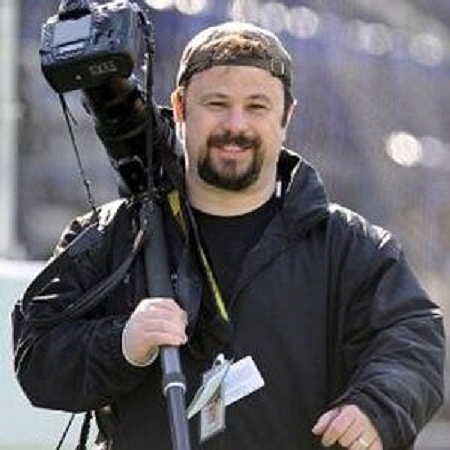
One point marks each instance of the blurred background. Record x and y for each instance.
(372, 81)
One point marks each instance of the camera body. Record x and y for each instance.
(100, 50)
(86, 44)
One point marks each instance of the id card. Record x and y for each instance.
(224, 384)
(212, 414)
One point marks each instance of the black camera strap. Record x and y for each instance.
(69, 120)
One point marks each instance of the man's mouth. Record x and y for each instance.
(228, 143)
(233, 148)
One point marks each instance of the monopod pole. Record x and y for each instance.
(159, 285)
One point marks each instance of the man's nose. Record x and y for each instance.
(236, 119)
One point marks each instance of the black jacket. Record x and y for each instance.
(325, 304)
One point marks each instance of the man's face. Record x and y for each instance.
(231, 127)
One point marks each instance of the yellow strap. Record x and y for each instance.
(220, 304)
(175, 205)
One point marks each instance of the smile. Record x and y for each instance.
(232, 149)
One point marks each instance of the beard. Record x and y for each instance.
(228, 176)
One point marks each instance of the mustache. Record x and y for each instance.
(240, 140)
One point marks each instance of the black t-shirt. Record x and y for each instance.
(227, 239)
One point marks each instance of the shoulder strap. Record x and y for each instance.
(177, 211)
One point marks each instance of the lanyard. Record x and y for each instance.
(175, 206)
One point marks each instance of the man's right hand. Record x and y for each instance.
(154, 322)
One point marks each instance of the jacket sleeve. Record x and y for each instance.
(75, 364)
(392, 339)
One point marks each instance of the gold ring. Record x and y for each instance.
(363, 442)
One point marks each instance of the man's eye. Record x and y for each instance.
(216, 104)
(257, 106)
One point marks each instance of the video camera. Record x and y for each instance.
(96, 48)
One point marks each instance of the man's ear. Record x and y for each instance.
(177, 100)
(290, 112)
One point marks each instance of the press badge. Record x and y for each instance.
(209, 400)
(224, 384)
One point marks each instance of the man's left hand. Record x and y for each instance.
(348, 426)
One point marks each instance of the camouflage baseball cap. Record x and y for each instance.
(235, 43)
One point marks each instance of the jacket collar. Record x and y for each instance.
(304, 204)
(305, 201)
